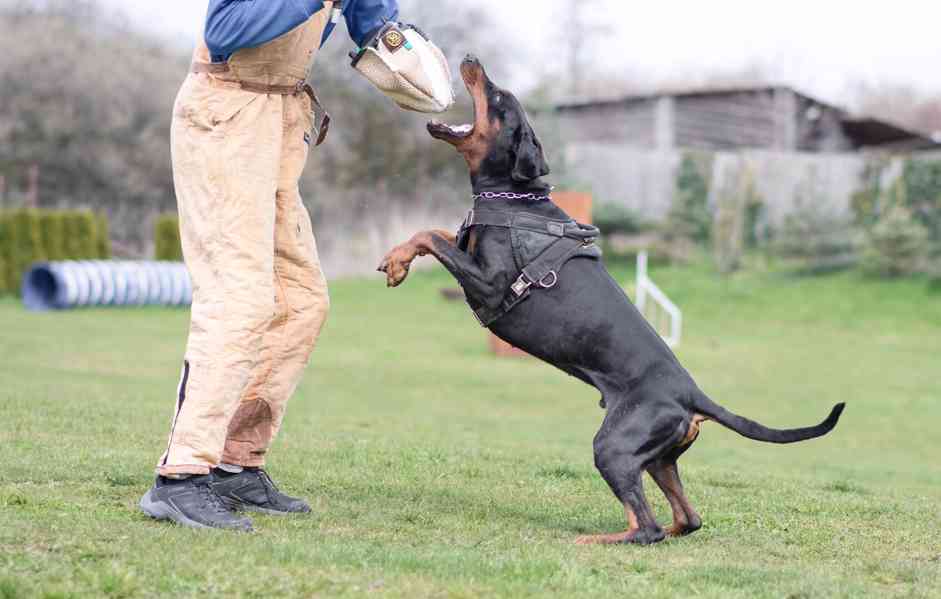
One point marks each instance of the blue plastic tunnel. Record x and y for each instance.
(67, 285)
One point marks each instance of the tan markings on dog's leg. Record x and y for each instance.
(685, 518)
(693, 431)
(612, 539)
(664, 479)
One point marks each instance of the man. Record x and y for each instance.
(243, 124)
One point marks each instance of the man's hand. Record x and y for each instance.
(403, 63)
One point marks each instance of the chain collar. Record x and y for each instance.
(508, 195)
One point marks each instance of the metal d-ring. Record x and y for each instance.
(555, 279)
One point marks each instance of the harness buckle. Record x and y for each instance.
(551, 276)
(521, 285)
(557, 229)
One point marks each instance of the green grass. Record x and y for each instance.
(438, 470)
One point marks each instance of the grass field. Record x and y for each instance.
(436, 470)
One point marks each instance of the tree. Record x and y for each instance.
(689, 216)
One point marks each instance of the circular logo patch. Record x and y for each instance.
(393, 40)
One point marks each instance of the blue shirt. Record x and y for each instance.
(235, 24)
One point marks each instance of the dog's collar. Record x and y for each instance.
(509, 195)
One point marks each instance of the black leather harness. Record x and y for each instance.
(541, 247)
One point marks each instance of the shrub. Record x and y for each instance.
(613, 218)
(923, 194)
(897, 245)
(689, 215)
(102, 238)
(167, 239)
(79, 241)
(4, 252)
(865, 201)
(815, 238)
(27, 236)
(24, 245)
(52, 234)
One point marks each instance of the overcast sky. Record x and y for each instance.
(821, 46)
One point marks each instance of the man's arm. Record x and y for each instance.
(365, 17)
(235, 24)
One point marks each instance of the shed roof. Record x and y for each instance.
(864, 131)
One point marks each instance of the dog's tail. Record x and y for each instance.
(759, 432)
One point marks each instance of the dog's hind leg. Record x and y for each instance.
(667, 476)
(665, 472)
(624, 447)
(642, 528)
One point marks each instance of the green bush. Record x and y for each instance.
(923, 194)
(897, 245)
(80, 236)
(102, 238)
(24, 245)
(167, 239)
(814, 238)
(52, 234)
(689, 215)
(816, 241)
(866, 201)
(4, 251)
(87, 228)
(27, 236)
(613, 218)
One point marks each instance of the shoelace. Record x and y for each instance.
(271, 489)
(211, 499)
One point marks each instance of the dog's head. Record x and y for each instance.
(500, 146)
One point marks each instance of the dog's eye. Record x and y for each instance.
(498, 98)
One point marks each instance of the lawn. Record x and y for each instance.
(437, 470)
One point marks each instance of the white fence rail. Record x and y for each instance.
(656, 307)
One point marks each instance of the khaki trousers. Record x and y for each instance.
(260, 298)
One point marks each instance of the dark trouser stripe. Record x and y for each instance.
(180, 398)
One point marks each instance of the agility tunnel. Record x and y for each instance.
(68, 285)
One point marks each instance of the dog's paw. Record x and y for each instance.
(396, 265)
(397, 273)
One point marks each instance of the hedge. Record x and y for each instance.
(167, 239)
(28, 235)
(4, 251)
(102, 238)
(23, 245)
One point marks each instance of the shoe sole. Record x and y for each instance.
(238, 506)
(270, 512)
(161, 510)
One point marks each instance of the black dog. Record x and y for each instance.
(532, 275)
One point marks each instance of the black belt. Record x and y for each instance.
(572, 239)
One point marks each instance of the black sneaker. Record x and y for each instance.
(191, 502)
(253, 490)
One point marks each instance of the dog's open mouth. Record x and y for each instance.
(444, 131)
(472, 73)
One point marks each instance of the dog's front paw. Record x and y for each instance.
(396, 264)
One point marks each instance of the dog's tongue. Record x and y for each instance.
(454, 130)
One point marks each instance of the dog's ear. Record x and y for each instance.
(530, 159)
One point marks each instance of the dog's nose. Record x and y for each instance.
(470, 59)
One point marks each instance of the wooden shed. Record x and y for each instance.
(768, 117)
